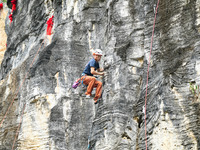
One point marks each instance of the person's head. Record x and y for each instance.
(97, 54)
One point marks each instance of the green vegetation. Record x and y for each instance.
(4, 1)
(195, 90)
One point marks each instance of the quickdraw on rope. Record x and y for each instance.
(148, 73)
(21, 83)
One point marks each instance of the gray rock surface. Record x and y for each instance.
(59, 117)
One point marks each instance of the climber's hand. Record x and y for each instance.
(103, 73)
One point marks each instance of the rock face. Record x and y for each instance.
(59, 117)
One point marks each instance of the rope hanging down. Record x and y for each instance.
(21, 84)
(17, 94)
(21, 87)
(19, 126)
(148, 73)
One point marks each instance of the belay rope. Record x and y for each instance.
(25, 103)
(21, 84)
(19, 126)
(148, 73)
(89, 145)
(14, 8)
(17, 94)
(34, 60)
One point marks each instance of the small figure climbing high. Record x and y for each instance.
(49, 23)
(1, 6)
(14, 3)
(92, 68)
(10, 17)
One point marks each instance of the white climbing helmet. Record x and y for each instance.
(98, 52)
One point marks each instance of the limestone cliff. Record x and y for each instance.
(57, 117)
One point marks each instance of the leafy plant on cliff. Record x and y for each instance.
(195, 90)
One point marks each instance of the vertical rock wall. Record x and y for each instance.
(59, 117)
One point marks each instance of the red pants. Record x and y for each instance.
(92, 83)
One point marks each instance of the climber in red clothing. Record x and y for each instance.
(49, 25)
(92, 68)
(1, 6)
(10, 17)
(49, 28)
(14, 2)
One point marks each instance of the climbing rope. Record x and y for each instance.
(148, 73)
(49, 31)
(21, 84)
(25, 103)
(19, 126)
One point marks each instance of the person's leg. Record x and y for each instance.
(89, 80)
(98, 86)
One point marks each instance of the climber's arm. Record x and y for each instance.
(100, 70)
(95, 72)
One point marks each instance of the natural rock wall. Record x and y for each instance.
(59, 117)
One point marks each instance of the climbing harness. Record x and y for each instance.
(148, 73)
(83, 75)
(83, 85)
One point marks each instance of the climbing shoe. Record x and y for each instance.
(95, 101)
